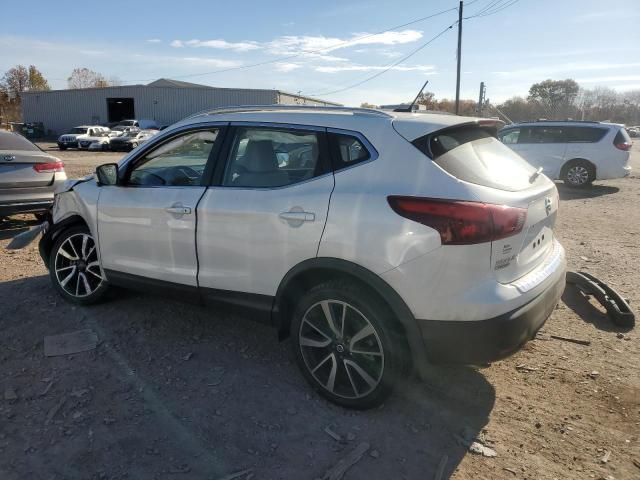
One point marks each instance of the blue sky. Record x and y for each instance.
(331, 43)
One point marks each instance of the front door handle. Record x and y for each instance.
(179, 210)
(298, 216)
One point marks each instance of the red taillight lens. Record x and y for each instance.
(56, 166)
(460, 222)
(626, 146)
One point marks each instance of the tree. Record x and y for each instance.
(555, 97)
(85, 78)
(367, 105)
(15, 81)
(428, 99)
(37, 82)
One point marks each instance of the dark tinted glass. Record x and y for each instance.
(622, 137)
(543, 135)
(447, 140)
(586, 134)
(13, 141)
(350, 150)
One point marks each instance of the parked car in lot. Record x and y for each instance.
(633, 131)
(28, 176)
(70, 140)
(141, 124)
(376, 240)
(576, 152)
(93, 136)
(130, 140)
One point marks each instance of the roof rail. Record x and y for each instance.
(541, 120)
(267, 108)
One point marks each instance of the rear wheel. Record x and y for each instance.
(578, 173)
(62, 147)
(345, 344)
(74, 267)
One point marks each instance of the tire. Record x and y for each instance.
(74, 267)
(62, 147)
(360, 380)
(578, 174)
(41, 217)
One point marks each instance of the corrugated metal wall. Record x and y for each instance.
(61, 110)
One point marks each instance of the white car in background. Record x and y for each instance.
(377, 240)
(70, 140)
(573, 151)
(93, 135)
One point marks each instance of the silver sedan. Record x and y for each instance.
(28, 176)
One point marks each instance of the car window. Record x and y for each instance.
(13, 141)
(543, 135)
(350, 150)
(510, 137)
(179, 162)
(586, 134)
(81, 131)
(267, 157)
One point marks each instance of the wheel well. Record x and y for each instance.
(321, 270)
(568, 163)
(46, 243)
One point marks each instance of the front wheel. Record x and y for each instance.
(345, 345)
(578, 173)
(74, 267)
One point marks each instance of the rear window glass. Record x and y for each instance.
(444, 141)
(13, 141)
(473, 154)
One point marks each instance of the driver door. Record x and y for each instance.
(147, 223)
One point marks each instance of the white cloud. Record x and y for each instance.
(221, 45)
(287, 67)
(177, 44)
(368, 68)
(154, 40)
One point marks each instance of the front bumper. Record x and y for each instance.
(68, 144)
(483, 341)
(27, 206)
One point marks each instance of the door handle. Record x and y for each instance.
(298, 216)
(179, 210)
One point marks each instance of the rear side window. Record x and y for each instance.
(585, 134)
(622, 137)
(13, 141)
(348, 150)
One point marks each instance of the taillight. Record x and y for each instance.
(460, 222)
(626, 146)
(56, 166)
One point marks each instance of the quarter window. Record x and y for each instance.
(179, 162)
(270, 157)
(586, 134)
(510, 137)
(350, 150)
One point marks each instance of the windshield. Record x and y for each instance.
(79, 130)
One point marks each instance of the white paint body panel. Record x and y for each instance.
(244, 245)
(138, 236)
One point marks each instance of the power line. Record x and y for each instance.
(497, 7)
(306, 52)
(388, 67)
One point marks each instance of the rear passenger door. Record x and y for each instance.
(266, 208)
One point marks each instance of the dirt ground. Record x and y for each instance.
(179, 391)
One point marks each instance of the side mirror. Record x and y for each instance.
(107, 174)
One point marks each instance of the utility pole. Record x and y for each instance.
(481, 98)
(459, 57)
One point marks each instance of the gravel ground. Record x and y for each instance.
(180, 391)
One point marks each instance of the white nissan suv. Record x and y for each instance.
(376, 240)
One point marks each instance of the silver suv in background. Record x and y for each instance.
(28, 176)
(576, 152)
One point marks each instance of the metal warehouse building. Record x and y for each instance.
(165, 101)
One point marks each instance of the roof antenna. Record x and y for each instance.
(410, 107)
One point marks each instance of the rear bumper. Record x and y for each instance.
(483, 341)
(31, 206)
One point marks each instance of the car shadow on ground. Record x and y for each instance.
(568, 193)
(12, 226)
(590, 310)
(179, 388)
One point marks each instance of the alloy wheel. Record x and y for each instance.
(77, 267)
(341, 349)
(577, 175)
